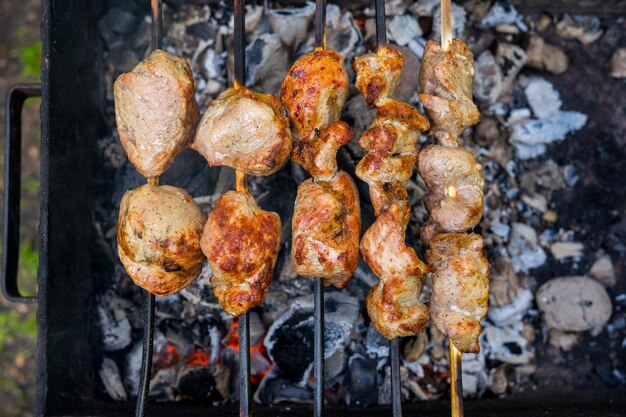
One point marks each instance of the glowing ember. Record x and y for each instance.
(198, 358)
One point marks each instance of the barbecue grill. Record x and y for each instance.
(66, 361)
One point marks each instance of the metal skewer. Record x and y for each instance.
(456, 371)
(143, 390)
(394, 344)
(241, 185)
(318, 294)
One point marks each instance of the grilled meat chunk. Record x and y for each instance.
(393, 304)
(246, 131)
(378, 74)
(158, 238)
(460, 287)
(317, 152)
(326, 229)
(446, 79)
(314, 91)
(241, 242)
(155, 111)
(391, 152)
(455, 183)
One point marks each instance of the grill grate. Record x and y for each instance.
(244, 324)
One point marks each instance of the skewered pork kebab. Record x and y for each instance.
(455, 200)
(249, 132)
(393, 303)
(327, 217)
(159, 227)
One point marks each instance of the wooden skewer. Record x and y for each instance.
(456, 381)
(446, 24)
(456, 373)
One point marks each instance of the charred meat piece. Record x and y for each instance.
(395, 129)
(246, 131)
(326, 228)
(393, 304)
(317, 153)
(455, 183)
(446, 79)
(158, 238)
(155, 111)
(392, 154)
(315, 91)
(241, 242)
(460, 287)
(378, 74)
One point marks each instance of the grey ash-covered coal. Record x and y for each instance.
(551, 141)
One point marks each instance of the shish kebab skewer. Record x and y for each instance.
(158, 227)
(455, 200)
(327, 219)
(248, 132)
(393, 304)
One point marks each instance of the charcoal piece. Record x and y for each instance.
(274, 389)
(202, 382)
(200, 30)
(289, 340)
(363, 386)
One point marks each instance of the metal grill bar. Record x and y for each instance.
(318, 353)
(320, 24)
(396, 394)
(244, 365)
(244, 322)
(143, 391)
(240, 43)
(381, 23)
(157, 24)
(146, 358)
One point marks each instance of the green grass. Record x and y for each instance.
(30, 60)
(28, 264)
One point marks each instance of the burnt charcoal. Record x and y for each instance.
(363, 386)
(289, 340)
(274, 389)
(201, 30)
(110, 376)
(162, 385)
(196, 382)
(376, 344)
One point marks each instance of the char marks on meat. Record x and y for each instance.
(246, 131)
(241, 242)
(460, 287)
(326, 227)
(158, 238)
(446, 79)
(394, 303)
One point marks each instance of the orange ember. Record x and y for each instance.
(198, 358)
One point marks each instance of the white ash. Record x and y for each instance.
(603, 271)
(513, 312)
(110, 376)
(506, 344)
(488, 80)
(501, 12)
(562, 250)
(524, 248)
(288, 23)
(114, 324)
(543, 98)
(403, 29)
(586, 29)
(531, 136)
(617, 65)
(475, 375)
